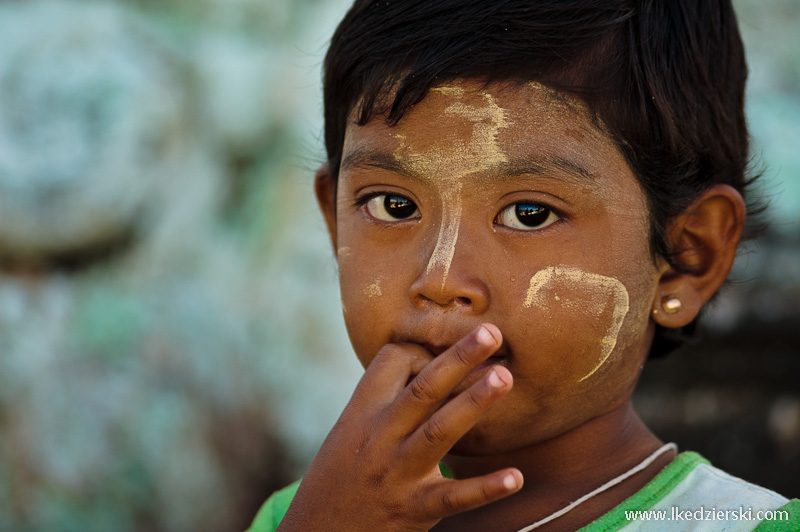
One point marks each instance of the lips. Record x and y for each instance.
(501, 357)
(437, 349)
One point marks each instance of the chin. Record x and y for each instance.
(483, 441)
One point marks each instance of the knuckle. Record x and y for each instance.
(386, 353)
(378, 478)
(486, 495)
(433, 432)
(449, 502)
(362, 442)
(474, 400)
(396, 513)
(461, 354)
(422, 389)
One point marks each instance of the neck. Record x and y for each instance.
(562, 469)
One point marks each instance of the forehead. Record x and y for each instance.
(463, 127)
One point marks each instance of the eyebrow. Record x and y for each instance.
(553, 166)
(367, 158)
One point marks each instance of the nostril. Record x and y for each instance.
(422, 298)
(464, 301)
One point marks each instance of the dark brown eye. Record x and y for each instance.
(526, 216)
(392, 207)
(399, 207)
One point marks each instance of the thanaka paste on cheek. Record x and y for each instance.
(597, 293)
(374, 289)
(343, 252)
(449, 163)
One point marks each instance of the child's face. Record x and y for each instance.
(505, 206)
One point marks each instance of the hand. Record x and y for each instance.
(378, 467)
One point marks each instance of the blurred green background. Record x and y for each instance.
(172, 348)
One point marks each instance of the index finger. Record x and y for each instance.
(389, 373)
(434, 384)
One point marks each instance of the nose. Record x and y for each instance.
(453, 283)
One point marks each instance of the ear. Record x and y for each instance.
(325, 189)
(704, 239)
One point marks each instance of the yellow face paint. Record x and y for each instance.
(577, 290)
(374, 289)
(447, 162)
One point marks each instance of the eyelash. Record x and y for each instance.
(362, 201)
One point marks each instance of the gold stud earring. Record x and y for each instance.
(671, 304)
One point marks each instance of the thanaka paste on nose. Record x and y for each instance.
(449, 166)
(550, 278)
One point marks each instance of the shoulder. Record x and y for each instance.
(272, 511)
(691, 494)
(708, 485)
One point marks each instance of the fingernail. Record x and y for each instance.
(484, 336)
(510, 482)
(495, 381)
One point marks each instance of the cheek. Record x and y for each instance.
(364, 282)
(369, 295)
(373, 289)
(362, 300)
(578, 317)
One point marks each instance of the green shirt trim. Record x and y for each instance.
(271, 513)
(273, 510)
(792, 525)
(654, 491)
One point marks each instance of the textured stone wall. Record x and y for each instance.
(172, 347)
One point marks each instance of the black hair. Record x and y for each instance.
(664, 78)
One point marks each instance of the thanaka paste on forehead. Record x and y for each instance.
(558, 100)
(560, 104)
(449, 166)
(548, 278)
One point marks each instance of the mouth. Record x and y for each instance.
(500, 357)
(437, 349)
